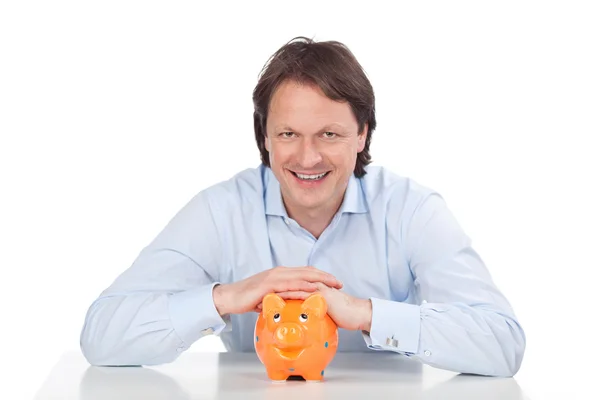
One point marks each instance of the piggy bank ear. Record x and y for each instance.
(272, 302)
(315, 304)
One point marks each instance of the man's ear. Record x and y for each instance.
(267, 143)
(271, 302)
(315, 304)
(362, 138)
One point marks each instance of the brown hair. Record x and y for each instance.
(329, 65)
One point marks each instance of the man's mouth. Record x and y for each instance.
(310, 177)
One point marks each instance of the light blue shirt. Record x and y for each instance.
(392, 241)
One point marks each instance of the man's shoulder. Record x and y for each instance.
(398, 197)
(244, 186)
(382, 183)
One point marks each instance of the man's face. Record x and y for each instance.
(309, 135)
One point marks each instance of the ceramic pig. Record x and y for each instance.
(295, 337)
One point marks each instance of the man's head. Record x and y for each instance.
(314, 113)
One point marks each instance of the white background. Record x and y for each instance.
(114, 114)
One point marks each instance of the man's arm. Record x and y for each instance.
(464, 323)
(163, 303)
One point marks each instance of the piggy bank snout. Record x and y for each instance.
(289, 335)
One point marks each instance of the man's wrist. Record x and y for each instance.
(220, 299)
(367, 315)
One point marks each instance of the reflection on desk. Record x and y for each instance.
(234, 376)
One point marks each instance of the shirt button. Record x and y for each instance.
(180, 349)
(208, 331)
(391, 342)
(427, 353)
(287, 221)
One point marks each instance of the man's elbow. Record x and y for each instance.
(97, 352)
(513, 350)
(97, 358)
(101, 355)
(94, 339)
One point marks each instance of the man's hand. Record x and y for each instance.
(246, 295)
(348, 312)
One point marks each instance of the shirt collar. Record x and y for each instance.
(354, 199)
(273, 200)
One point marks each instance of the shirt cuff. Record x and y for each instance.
(193, 314)
(395, 326)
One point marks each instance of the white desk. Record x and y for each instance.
(375, 375)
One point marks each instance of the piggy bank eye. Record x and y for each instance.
(303, 317)
(277, 317)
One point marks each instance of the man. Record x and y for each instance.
(395, 268)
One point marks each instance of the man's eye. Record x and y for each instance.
(330, 135)
(287, 134)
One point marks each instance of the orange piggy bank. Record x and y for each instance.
(295, 337)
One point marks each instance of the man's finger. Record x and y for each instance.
(294, 295)
(321, 286)
(295, 285)
(315, 275)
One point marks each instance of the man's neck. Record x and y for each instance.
(314, 220)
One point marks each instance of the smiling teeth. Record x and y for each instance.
(311, 177)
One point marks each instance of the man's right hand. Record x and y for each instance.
(245, 295)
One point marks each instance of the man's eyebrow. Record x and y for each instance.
(332, 126)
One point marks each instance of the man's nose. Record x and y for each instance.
(310, 154)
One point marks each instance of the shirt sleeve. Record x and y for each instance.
(463, 322)
(163, 303)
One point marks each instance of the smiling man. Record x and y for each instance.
(312, 144)
(397, 271)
